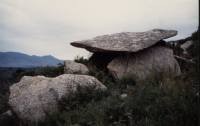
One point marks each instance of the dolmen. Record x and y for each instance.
(133, 54)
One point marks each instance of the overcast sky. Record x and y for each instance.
(46, 27)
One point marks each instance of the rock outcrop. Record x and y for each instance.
(125, 41)
(34, 97)
(71, 67)
(144, 63)
(136, 54)
(185, 46)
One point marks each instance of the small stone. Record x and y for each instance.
(71, 67)
(123, 96)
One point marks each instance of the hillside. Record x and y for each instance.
(161, 100)
(15, 59)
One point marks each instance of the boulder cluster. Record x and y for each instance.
(127, 54)
(35, 97)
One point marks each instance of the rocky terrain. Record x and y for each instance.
(139, 80)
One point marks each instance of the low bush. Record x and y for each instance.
(80, 59)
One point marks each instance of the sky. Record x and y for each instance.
(46, 27)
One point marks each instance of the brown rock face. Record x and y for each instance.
(125, 41)
(142, 64)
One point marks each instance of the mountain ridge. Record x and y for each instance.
(18, 59)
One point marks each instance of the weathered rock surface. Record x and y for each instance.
(33, 97)
(186, 45)
(125, 41)
(144, 63)
(71, 67)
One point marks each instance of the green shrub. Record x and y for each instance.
(81, 59)
(47, 71)
(50, 71)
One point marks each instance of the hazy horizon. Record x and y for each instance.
(46, 27)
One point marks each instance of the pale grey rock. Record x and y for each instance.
(123, 96)
(125, 41)
(186, 45)
(6, 118)
(6, 114)
(33, 97)
(71, 67)
(144, 63)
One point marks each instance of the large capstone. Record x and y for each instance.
(125, 41)
(140, 65)
(35, 97)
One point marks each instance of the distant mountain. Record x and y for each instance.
(15, 59)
